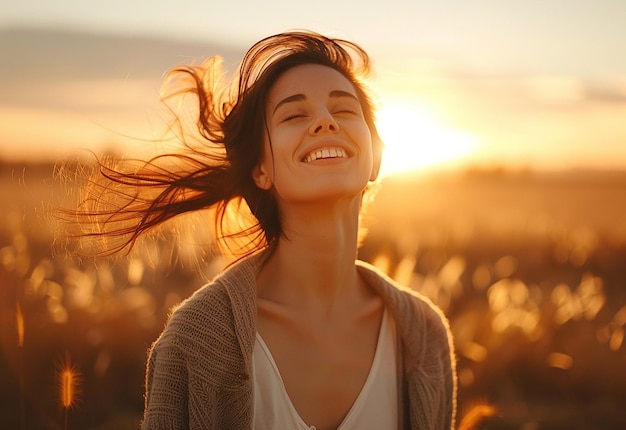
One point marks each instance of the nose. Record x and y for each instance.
(324, 123)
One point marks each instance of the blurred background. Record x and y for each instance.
(503, 195)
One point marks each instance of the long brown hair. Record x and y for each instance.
(125, 199)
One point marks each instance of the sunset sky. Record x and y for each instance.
(538, 84)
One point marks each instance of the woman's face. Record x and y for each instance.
(318, 145)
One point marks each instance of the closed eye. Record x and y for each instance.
(351, 111)
(346, 107)
(348, 111)
(292, 116)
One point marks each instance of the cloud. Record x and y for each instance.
(555, 89)
(610, 91)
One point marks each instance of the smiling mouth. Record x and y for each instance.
(325, 153)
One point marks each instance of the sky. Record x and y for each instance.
(540, 36)
(534, 83)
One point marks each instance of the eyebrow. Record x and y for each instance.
(300, 97)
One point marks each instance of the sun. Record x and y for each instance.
(415, 139)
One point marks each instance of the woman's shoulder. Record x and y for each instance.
(215, 310)
(233, 286)
(390, 289)
(423, 327)
(408, 306)
(198, 317)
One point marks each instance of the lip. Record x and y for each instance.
(326, 144)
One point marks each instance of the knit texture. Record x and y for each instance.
(199, 370)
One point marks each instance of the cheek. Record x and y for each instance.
(364, 136)
(276, 157)
(282, 146)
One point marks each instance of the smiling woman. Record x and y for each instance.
(415, 139)
(298, 333)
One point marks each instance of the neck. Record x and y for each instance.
(313, 265)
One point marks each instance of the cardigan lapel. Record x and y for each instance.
(408, 322)
(240, 284)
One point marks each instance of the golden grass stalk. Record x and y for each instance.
(69, 385)
(69, 382)
(476, 415)
(19, 321)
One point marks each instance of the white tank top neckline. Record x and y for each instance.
(376, 406)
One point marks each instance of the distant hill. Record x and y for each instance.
(57, 55)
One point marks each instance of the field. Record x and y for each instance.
(529, 267)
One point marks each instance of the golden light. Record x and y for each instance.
(415, 139)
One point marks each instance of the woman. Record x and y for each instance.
(298, 334)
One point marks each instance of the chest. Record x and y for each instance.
(325, 372)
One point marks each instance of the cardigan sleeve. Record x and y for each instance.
(432, 380)
(166, 395)
(428, 359)
(448, 359)
(441, 340)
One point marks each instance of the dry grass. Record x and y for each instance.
(69, 379)
(69, 384)
(530, 273)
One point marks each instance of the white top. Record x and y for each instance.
(376, 406)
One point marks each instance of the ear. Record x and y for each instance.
(377, 152)
(261, 178)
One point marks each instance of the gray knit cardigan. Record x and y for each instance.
(199, 370)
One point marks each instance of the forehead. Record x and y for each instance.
(311, 80)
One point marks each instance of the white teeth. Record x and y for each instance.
(325, 153)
